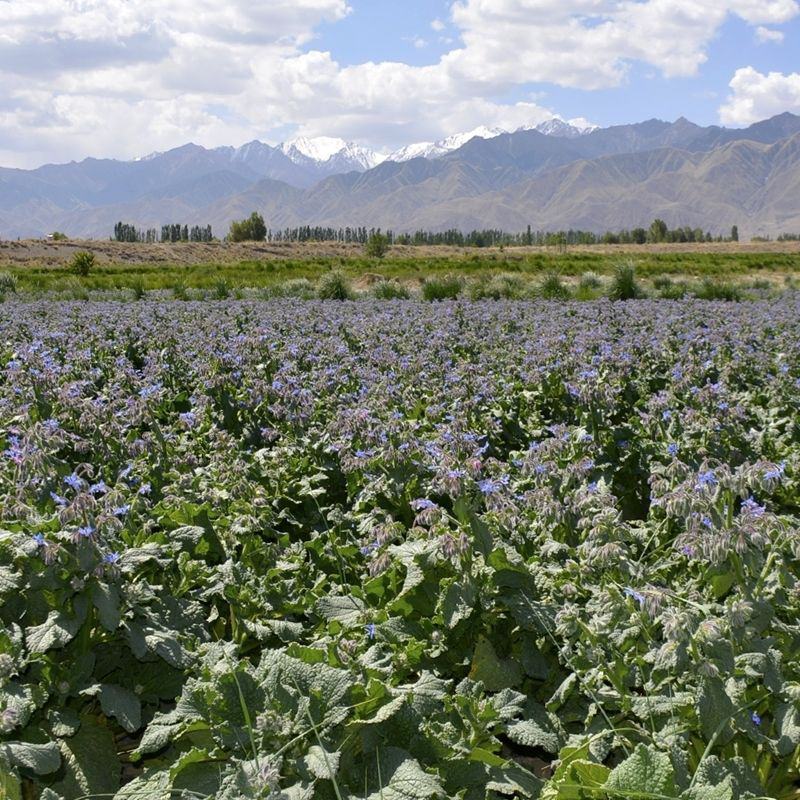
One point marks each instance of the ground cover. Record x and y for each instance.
(400, 550)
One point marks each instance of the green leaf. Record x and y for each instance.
(402, 778)
(9, 580)
(787, 721)
(10, 786)
(714, 707)
(321, 763)
(495, 673)
(90, 762)
(348, 610)
(122, 704)
(722, 791)
(459, 601)
(646, 771)
(41, 759)
(538, 731)
(106, 601)
(54, 633)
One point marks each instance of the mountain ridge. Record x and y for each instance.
(474, 185)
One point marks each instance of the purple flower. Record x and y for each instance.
(98, 488)
(706, 479)
(121, 511)
(74, 482)
(58, 499)
(756, 719)
(673, 449)
(637, 596)
(423, 504)
(86, 532)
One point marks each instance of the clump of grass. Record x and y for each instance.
(504, 286)
(390, 290)
(668, 290)
(82, 263)
(222, 290)
(8, 283)
(552, 288)
(624, 285)
(138, 289)
(447, 287)
(301, 288)
(334, 286)
(715, 290)
(590, 280)
(180, 291)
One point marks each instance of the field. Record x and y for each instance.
(399, 550)
(259, 270)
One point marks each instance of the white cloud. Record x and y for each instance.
(767, 35)
(115, 77)
(756, 96)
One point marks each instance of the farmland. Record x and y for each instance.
(395, 550)
(263, 270)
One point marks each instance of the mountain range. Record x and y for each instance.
(553, 176)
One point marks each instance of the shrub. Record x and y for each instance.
(8, 283)
(551, 288)
(377, 245)
(447, 287)
(82, 263)
(334, 286)
(137, 287)
(222, 291)
(713, 290)
(624, 285)
(301, 288)
(590, 280)
(252, 229)
(179, 291)
(500, 287)
(58, 236)
(390, 290)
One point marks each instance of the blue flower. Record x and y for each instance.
(637, 596)
(58, 499)
(753, 509)
(705, 479)
(370, 630)
(86, 532)
(673, 449)
(121, 511)
(422, 504)
(39, 539)
(111, 558)
(776, 473)
(756, 719)
(73, 481)
(98, 488)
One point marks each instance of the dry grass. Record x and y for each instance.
(49, 253)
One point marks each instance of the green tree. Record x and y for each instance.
(82, 263)
(252, 229)
(658, 231)
(377, 245)
(735, 233)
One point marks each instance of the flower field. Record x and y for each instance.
(400, 551)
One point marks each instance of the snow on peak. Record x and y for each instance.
(324, 149)
(567, 130)
(450, 143)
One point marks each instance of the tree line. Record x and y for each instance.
(123, 232)
(253, 228)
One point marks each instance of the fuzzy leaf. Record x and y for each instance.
(459, 601)
(54, 633)
(41, 759)
(90, 761)
(494, 672)
(645, 771)
(322, 764)
(348, 609)
(122, 704)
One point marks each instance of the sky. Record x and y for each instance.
(123, 78)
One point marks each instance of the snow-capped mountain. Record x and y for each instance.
(447, 145)
(565, 130)
(552, 127)
(340, 155)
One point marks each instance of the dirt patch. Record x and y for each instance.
(43, 253)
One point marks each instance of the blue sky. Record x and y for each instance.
(114, 78)
(394, 30)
